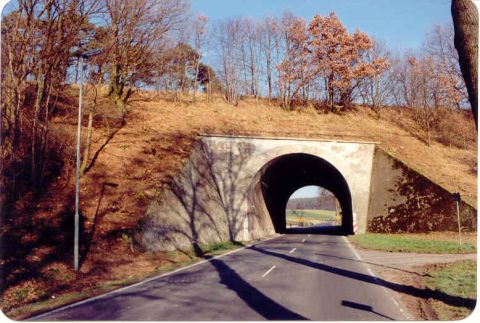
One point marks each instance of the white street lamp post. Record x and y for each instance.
(82, 56)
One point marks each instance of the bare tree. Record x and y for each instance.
(294, 70)
(38, 40)
(439, 44)
(229, 50)
(376, 89)
(269, 44)
(199, 27)
(422, 84)
(252, 65)
(136, 27)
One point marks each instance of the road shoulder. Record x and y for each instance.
(408, 269)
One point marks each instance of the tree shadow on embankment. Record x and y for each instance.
(203, 202)
(424, 293)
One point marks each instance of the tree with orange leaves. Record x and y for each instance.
(325, 51)
(341, 58)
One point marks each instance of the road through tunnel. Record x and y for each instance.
(282, 176)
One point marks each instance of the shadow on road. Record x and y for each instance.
(373, 264)
(318, 229)
(425, 293)
(256, 300)
(117, 306)
(363, 307)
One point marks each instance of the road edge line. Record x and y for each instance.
(393, 296)
(201, 262)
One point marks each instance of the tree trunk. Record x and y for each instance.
(209, 90)
(195, 82)
(38, 101)
(331, 93)
(252, 73)
(115, 92)
(44, 138)
(427, 123)
(244, 66)
(269, 80)
(465, 21)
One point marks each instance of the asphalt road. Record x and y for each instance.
(292, 277)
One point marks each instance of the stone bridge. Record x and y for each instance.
(237, 188)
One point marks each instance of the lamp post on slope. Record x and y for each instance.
(82, 56)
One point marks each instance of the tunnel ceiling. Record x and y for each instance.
(284, 175)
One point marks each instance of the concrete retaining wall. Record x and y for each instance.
(402, 200)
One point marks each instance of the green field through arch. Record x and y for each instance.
(313, 206)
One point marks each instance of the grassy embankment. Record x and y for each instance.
(418, 243)
(457, 279)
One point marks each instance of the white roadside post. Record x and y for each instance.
(76, 235)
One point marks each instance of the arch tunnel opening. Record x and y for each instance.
(313, 207)
(284, 175)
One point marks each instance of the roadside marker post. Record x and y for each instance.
(457, 198)
(354, 222)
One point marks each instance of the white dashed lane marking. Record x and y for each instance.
(268, 271)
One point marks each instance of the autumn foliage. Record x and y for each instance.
(325, 52)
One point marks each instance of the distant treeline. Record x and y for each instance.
(312, 203)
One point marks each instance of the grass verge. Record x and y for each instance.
(457, 280)
(411, 243)
(173, 260)
(323, 215)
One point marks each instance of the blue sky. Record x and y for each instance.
(307, 191)
(401, 23)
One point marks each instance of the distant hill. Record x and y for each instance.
(308, 203)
